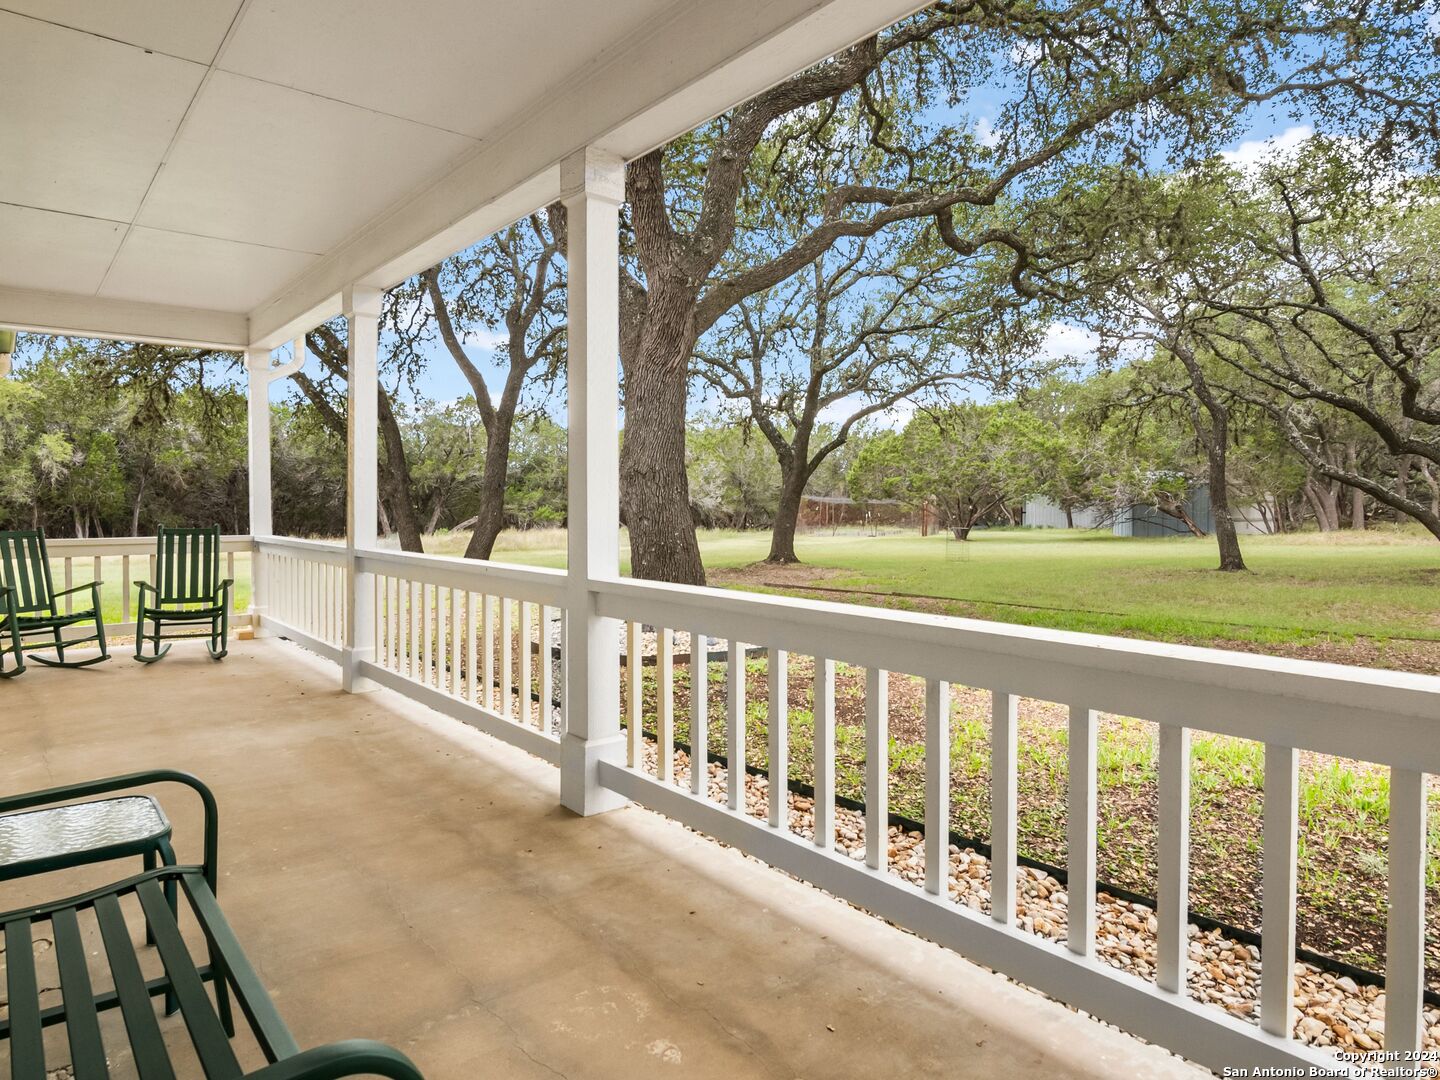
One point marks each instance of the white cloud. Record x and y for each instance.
(985, 133)
(1065, 341)
(1253, 152)
(485, 339)
(837, 412)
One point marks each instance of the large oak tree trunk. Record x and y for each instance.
(1229, 542)
(1357, 497)
(1215, 438)
(787, 515)
(397, 475)
(491, 518)
(654, 490)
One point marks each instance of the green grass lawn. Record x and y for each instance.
(1383, 583)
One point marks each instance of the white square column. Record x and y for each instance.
(362, 492)
(257, 365)
(592, 188)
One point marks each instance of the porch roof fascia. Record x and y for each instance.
(126, 320)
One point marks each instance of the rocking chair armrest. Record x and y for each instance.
(143, 586)
(353, 1057)
(80, 588)
(89, 788)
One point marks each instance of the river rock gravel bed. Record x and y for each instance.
(1332, 1011)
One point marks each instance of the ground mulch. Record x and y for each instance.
(1341, 898)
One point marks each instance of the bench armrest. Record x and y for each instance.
(91, 788)
(354, 1057)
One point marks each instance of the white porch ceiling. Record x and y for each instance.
(242, 157)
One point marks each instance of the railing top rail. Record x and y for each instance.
(301, 542)
(1384, 716)
(129, 545)
(536, 583)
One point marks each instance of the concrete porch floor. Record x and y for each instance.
(395, 875)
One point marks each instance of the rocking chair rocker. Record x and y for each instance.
(30, 618)
(190, 592)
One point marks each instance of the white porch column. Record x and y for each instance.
(592, 188)
(257, 364)
(362, 315)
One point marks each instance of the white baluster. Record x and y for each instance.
(937, 787)
(452, 645)
(877, 768)
(779, 730)
(546, 660)
(735, 726)
(1080, 831)
(507, 665)
(665, 705)
(1172, 908)
(824, 810)
(525, 680)
(1405, 927)
(415, 628)
(699, 712)
(427, 622)
(392, 586)
(634, 684)
(1277, 916)
(487, 667)
(1004, 780)
(472, 689)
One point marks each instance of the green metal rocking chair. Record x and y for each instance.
(30, 618)
(188, 592)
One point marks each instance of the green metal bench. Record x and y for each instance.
(188, 591)
(208, 1021)
(30, 617)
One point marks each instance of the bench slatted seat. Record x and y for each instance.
(203, 986)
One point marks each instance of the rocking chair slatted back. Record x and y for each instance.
(187, 569)
(25, 567)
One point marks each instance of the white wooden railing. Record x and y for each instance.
(124, 560)
(480, 644)
(463, 637)
(481, 647)
(305, 586)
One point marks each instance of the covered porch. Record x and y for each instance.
(509, 900)
(397, 874)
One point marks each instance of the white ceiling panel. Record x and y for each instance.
(195, 271)
(268, 165)
(462, 65)
(43, 250)
(192, 29)
(85, 121)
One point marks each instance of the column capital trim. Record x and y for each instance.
(361, 300)
(595, 173)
